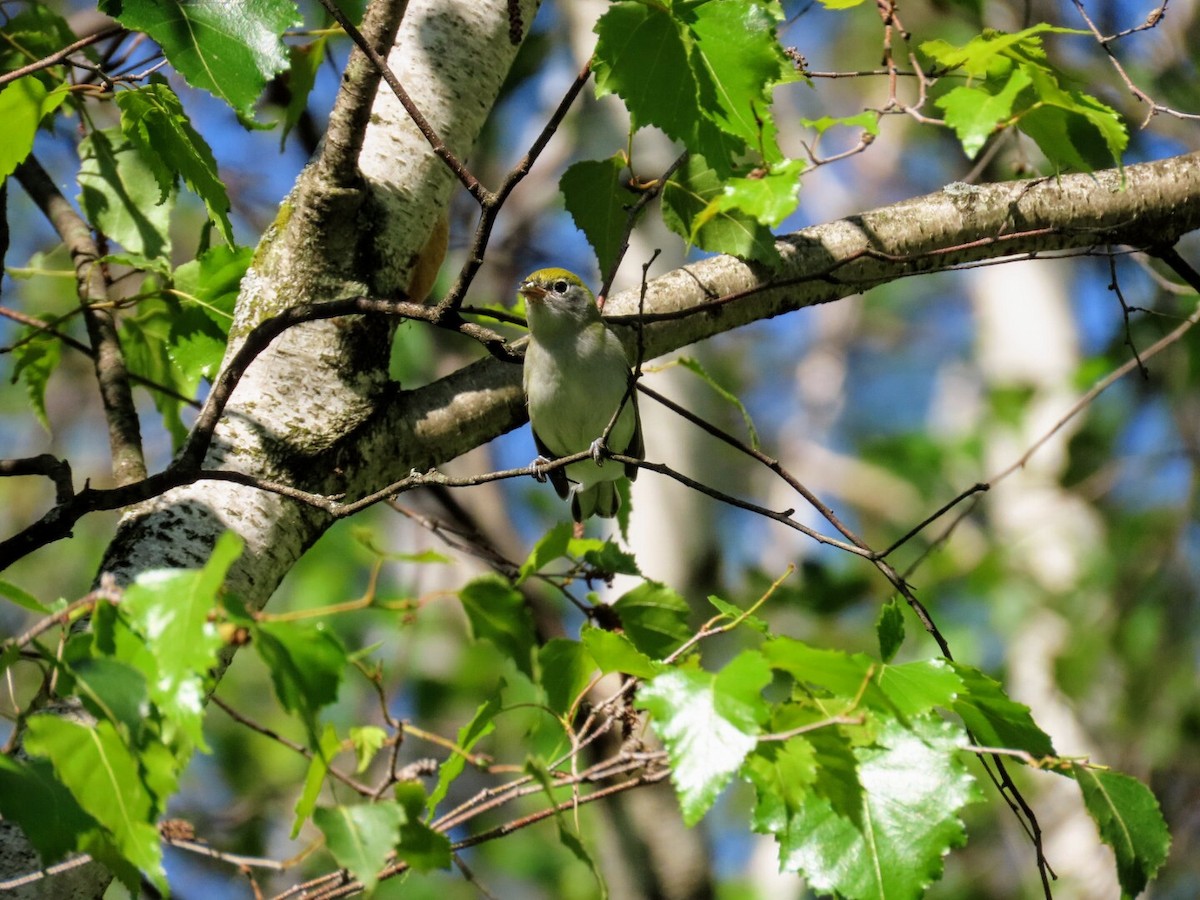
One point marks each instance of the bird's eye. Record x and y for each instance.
(560, 287)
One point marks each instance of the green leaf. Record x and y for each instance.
(23, 105)
(120, 194)
(694, 366)
(420, 846)
(498, 613)
(781, 772)
(567, 837)
(597, 198)
(655, 618)
(33, 34)
(685, 202)
(172, 609)
(841, 673)
(566, 670)
(306, 664)
(994, 719)
(735, 613)
(367, 741)
(481, 724)
(208, 287)
(976, 112)
(361, 837)
(153, 118)
(48, 814)
(229, 50)
(145, 338)
(102, 774)
(641, 56)
(868, 121)
(34, 361)
(708, 724)
(304, 60)
(1130, 821)
(913, 789)
(766, 195)
(615, 653)
(889, 628)
(22, 597)
(736, 47)
(1074, 130)
(327, 748)
(550, 547)
(919, 686)
(606, 556)
(112, 690)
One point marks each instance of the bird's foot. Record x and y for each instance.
(597, 450)
(539, 468)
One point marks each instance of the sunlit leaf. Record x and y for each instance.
(229, 50)
(102, 774)
(360, 837)
(1130, 821)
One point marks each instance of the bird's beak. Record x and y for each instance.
(532, 292)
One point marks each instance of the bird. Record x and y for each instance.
(576, 378)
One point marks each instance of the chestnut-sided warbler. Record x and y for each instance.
(576, 378)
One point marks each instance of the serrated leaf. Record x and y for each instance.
(367, 740)
(102, 774)
(976, 112)
(914, 787)
(781, 773)
(889, 628)
(551, 546)
(229, 50)
(641, 56)
(597, 199)
(1074, 130)
(994, 719)
(120, 194)
(736, 47)
(306, 664)
(23, 105)
(34, 361)
(708, 726)
(1129, 820)
(566, 668)
(361, 837)
(153, 118)
(655, 618)
(608, 557)
(326, 749)
(48, 814)
(685, 205)
(768, 196)
(497, 613)
(615, 653)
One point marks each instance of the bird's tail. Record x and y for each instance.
(601, 499)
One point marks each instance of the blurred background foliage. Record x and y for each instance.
(1076, 580)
